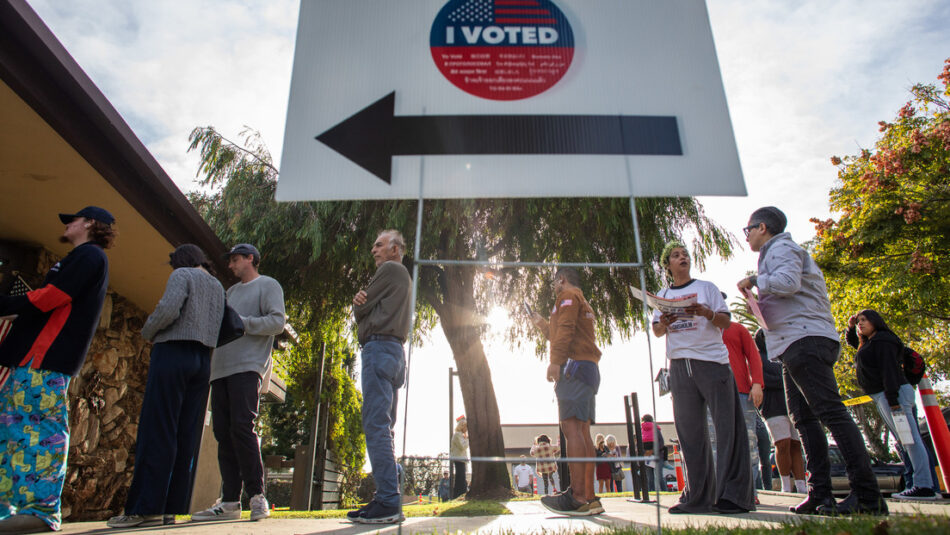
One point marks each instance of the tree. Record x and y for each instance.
(889, 249)
(321, 252)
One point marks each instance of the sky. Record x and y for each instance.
(804, 80)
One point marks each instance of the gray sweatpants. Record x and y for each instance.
(694, 386)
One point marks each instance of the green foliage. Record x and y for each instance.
(421, 475)
(889, 249)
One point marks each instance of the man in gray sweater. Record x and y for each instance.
(383, 314)
(237, 370)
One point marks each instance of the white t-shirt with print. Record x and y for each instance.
(523, 475)
(695, 337)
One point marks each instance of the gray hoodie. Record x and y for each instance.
(792, 295)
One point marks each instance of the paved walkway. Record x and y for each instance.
(529, 518)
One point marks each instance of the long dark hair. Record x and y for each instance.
(876, 321)
(189, 255)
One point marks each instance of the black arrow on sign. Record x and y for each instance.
(372, 136)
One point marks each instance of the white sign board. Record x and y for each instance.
(506, 98)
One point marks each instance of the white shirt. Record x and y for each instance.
(695, 337)
(523, 473)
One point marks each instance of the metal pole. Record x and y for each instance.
(631, 446)
(646, 314)
(641, 467)
(315, 430)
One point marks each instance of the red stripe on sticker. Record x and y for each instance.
(516, 3)
(526, 21)
(522, 12)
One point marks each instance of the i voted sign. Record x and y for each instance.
(502, 49)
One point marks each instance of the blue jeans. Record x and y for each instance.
(916, 451)
(383, 372)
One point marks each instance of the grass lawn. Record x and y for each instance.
(893, 525)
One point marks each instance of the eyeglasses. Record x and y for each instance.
(748, 229)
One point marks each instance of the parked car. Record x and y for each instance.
(890, 476)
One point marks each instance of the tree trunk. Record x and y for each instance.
(457, 315)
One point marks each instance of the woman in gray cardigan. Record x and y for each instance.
(184, 328)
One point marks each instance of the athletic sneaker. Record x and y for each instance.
(219, 511)
(259, 507)
(131, 521)
(377, 513)
(595, 506)
(355, 513)
(168, 520)
(916, 493)
(565, 504)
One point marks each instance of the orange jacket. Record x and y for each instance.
(571, 329)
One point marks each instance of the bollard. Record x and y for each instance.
(939, 433)
(678, 463)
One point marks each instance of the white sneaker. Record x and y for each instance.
(219, 511)
(131, 521)
(259, 507)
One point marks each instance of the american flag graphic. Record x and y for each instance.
(19, 288)
(502, 12)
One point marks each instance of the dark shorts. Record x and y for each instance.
(576, 391)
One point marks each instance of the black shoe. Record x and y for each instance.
(565, 504)
(354, 514)
(811, 505)
(726, 507)
(916, 493)
(854, 506)
(377, 513)
(677, 510)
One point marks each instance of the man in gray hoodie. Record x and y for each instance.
(237, 370)
(801, 335)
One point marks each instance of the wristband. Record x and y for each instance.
(754, 279)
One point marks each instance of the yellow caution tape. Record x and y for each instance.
(857, 401)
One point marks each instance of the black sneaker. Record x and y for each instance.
(851, 505)
(354, 514)
(916, 493)
(565, 504)
(377, 513)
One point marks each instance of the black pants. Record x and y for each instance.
(461, 486)
(813, 400)
(234, 407)
(176, 394)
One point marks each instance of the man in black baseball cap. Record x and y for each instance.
(44, 349)
(244, 249)
(90, 212)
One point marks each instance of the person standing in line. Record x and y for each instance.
(602, 471)
(878, 365)
(444, 485)
(184, 330)
(788, 446)
(459, 450)
(573, 370)
(543, 449)
(649, 431)
(384, 316)
(747, 370)
(45, 347)
(700, 377)
(523, 476)
(801, 335)
(237, 371)
(613, 450)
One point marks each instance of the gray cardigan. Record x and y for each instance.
(191, 309)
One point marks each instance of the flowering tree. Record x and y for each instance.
(889, 249)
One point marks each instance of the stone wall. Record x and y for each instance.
(105, 400)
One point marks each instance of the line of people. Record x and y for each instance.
(46, 346)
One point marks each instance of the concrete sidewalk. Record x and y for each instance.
(528, 517)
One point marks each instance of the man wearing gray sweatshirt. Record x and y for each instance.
(237, 370)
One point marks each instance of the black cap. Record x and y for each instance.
(90, 212)
(244, 249)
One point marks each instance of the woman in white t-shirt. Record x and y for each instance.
(700, 377)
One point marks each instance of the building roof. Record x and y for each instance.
(64, 146)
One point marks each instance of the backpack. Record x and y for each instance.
(913, 365)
